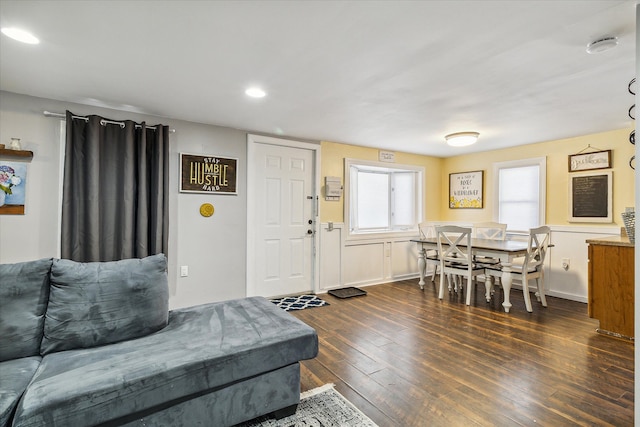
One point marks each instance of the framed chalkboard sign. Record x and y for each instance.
(591, 197)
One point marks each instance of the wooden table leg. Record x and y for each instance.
(507, 279)
(488, 284)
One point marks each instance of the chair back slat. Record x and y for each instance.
(456, 258)
(427, 230)
(537, 247)
(454, 244)
(490, 230)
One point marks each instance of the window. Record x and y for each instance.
(520, 189)
(380, 198)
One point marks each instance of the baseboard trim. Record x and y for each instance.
(563, 295)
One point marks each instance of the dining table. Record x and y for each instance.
(504, 250)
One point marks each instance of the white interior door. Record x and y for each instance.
(282, 219)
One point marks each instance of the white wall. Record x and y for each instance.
(214, 248)
(33, 235)
(570, 242)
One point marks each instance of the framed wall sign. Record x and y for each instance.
(591, 197)
(589, 161)
(208, 174)
(465, 190)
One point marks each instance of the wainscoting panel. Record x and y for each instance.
(570, 242)
(373, 261)
(330, 256)
(404, 259)
(364, 263)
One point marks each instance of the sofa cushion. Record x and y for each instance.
(98, 303)
(24, 292)
(14, 378)
(202, 349)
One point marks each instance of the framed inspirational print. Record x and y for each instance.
(590, 197)
(589, 161)
(208, 174)
(465, 190)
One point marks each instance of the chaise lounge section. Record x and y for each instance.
(106, 356)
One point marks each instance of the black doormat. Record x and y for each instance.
(347, 292)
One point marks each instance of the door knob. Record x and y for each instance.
(309, 231)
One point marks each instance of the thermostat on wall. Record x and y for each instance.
(332, 188)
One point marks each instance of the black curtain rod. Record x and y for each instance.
(103, 121)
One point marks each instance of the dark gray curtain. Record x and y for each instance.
(115, 193)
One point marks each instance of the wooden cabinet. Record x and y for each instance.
(611, 285)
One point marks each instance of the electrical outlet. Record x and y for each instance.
(184, 271)
(566, 263)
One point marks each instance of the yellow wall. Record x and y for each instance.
(557, 153)
(437, 172)
(333, 155)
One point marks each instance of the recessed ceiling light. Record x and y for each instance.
(255, 92)
(20, 35)
(602, 44)
(461, 139)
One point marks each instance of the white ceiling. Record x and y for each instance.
(396, 75)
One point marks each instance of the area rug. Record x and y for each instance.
(322, 406)
(299, 302)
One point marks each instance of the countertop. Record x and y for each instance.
(611, 241)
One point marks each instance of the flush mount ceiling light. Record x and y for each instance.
(602, 44)
(255, 92)
(462, 139)
(20, 35)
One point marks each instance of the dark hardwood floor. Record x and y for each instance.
(405, 358)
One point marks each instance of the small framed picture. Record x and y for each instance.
(590, 161)
(13, 181)
(465, 190)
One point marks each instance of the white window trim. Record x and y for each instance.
(534, 161)
(388, 166)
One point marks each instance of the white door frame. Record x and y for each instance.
(251, 212)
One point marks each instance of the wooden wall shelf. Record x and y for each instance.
(22, 154)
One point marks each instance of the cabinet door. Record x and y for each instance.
(611, 293)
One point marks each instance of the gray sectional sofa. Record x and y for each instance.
(84, 344)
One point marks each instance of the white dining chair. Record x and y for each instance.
(489, 230)
(428, 230)
(456, 257)
(532, 267)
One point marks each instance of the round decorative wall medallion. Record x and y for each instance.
(206, 209)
